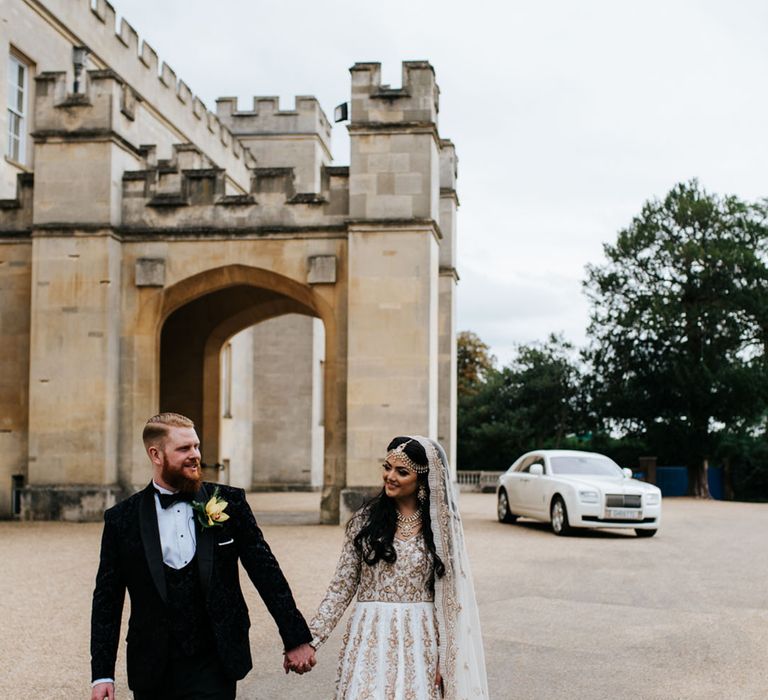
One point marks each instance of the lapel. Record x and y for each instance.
(204, 548)
(150, 538)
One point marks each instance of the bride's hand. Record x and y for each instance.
(300, 660)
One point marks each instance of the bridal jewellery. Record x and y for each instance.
(407, 462)
(407, 524)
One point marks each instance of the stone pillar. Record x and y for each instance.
(75, 301)
(393, 268)
(235, 414)
(14, 376)
(447, 378)
(15, 291)
(318, 404)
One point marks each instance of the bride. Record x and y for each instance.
(415, 631)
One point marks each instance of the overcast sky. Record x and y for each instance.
(566, 116)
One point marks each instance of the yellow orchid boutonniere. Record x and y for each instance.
(211, 513)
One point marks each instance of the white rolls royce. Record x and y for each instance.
(572, 489)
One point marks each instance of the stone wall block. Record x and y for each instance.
(104, 12)
(68, 503)
(149, 56)
(150, 272)
(322, 269)
(129, 36)
(183, 92)
(168, 76)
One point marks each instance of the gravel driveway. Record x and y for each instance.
(595, 616)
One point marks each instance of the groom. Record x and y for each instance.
(175, 548)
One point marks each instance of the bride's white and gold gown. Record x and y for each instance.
(403, 626)
(390, 644)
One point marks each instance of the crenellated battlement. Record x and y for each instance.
(108, 103)
(266, 117)
(136, 64)
(416, 102)
(98, 108)
(298, 138)
(177, 194)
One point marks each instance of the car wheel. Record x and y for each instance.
(502, 508)
(645, 533)
(559, 516)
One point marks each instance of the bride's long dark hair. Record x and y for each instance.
(375, 539)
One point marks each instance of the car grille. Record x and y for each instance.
(622, 500)
(630, 521)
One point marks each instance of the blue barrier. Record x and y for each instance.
(716, 483)
(673, 481)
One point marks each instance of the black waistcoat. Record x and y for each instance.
(190, 628)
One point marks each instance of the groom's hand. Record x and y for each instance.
(300, 660)
(102, 691)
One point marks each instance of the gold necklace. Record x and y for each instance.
(408, 523)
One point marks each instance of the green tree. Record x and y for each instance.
(474, 362)
(545, 381)
(744, 457)
(526, 405)
(679, 323)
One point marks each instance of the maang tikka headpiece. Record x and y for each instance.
(407, 462)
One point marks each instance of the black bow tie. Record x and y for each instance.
(168, 499)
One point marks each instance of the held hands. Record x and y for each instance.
(299, 660)
(103, 691)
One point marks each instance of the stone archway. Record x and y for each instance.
(201, 313)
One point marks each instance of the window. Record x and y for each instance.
(18, 87)
(529, 462)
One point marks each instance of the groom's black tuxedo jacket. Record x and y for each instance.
(131, 559)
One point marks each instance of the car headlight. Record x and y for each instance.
(589, 496)
(652, 499)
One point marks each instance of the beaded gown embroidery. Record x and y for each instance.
(390, 643)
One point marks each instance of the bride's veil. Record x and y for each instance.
(462, 661)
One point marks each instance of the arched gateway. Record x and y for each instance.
(200, 313)
(146, 233)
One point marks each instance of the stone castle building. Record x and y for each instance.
(155, 255)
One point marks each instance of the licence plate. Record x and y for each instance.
(623, 513)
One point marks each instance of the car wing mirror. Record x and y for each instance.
(536, 470)
(627, 473)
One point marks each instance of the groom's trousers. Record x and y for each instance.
(198, 677)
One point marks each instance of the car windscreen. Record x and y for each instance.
(598, 466)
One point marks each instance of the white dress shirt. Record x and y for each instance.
(176, 524)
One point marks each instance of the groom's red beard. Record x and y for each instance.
(182, 478)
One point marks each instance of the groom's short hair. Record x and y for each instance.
(156, 429)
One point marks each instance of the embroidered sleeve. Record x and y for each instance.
(341, 589)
